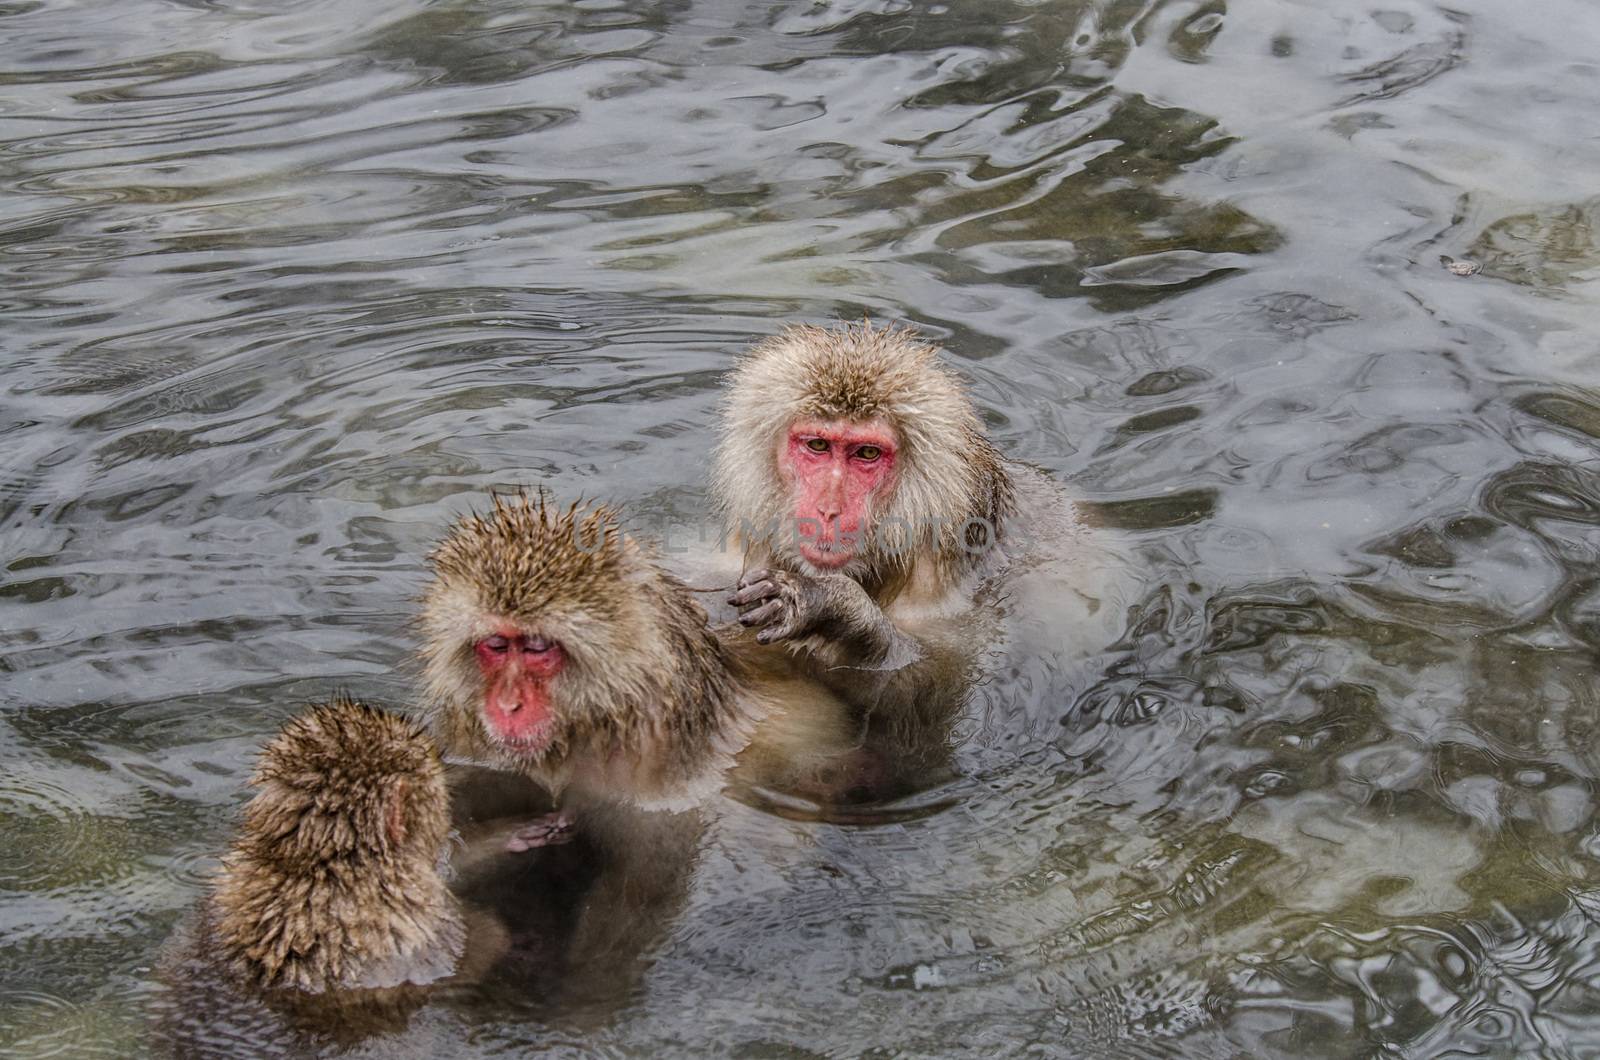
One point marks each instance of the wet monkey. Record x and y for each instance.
(557, 650)
(877, 522)
(554, 646)
(330, 915)
(333, 881)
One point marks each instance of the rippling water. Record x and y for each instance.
(286, 285)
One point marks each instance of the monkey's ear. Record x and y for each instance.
(394, 812)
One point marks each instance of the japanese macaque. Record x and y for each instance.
(334, 881)
(874, 515)
(330, 909)
(555, 648)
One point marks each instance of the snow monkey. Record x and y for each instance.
(877, 519)
(333, 881)
(330, 916)
(556, 648)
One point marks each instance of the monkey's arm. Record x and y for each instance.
(891, 715)
(830, 613)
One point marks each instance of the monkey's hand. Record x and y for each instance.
(550, 830)
(831, 610)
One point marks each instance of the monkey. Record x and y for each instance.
(334, 881)
(829, 438)
(554, 647)
(331, 908)
(883, 534)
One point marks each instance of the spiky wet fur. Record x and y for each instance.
(333, 881)
(645, 709)
(946, 468)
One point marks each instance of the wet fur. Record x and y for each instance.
(333, 881)
(949, 470)
(899, 635)
(647, 708)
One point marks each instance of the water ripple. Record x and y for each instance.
(288, 287)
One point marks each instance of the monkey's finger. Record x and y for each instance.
(549, 830)
(783, 631)
(762, 615)
(757, 574)
(751, 593)
(527, 840)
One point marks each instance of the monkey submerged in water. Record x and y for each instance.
(875, 515)
(330, 917)
(334, 880)
(555, 648)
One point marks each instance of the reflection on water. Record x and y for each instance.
(286, 286)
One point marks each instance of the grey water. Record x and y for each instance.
(286, 286)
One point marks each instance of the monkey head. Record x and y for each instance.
(853, 450)
(345, 781)
(554, 646)
(333, 881)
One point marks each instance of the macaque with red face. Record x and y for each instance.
(873, 512)
(555, 648)
(558, 651)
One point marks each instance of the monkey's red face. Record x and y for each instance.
(836, 471)
(517, 670)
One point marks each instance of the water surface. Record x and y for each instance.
(285, 286)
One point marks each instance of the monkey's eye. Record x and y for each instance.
(869, 453)
(497, 644)
(817, 445)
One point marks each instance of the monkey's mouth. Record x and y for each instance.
(828, 545)
(529, 743)
(828, 554)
